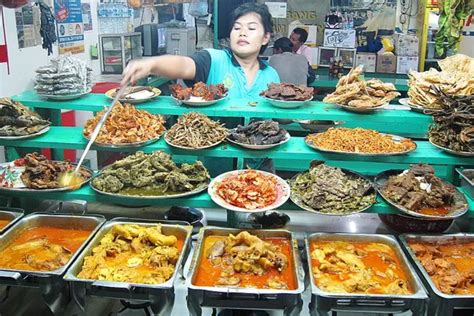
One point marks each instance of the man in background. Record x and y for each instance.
(298, 37)
(291, 68)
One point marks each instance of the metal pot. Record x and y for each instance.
(410, 224)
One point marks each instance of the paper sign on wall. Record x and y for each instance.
(86, 16)
(277, 9)
(68, 14)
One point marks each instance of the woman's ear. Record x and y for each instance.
(266, 38)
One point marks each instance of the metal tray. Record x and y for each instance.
(64, 97)
(323, 302)
(440, 303)
(466, 183)
(258, 147)
(40, 132)
(287, 104)
(299, 202)
(394, 137)
(283, 192)
(453, 152)
(125, 145)
(111, 94)
(190, 148)
(360, 109)
(16, 180)
(65, 221)
(12, 214)
(460, 207)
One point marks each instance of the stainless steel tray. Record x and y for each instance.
(180, 231)
(453, 152)
(440, 303)
(12, 214)
(296, 198)
(322, 302)
(244, 298)
(394, 137)
(40, 132)
(361, 109)
(126, 145)
(168, 141)
(466, 183)
(87, 222)
(458, 209)
(257, 147)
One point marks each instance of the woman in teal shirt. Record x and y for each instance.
(238, 68)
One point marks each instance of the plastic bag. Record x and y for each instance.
(198, 8)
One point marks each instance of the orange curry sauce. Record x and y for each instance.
(208, 274)
(371, 260)
(439, 211)
(4, 222)
(72, 239)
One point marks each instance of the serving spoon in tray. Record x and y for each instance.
(73, 178)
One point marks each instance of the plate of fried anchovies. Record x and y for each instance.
(194, 131)
(331, 191)
(259, 135)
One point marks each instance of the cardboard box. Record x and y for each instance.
(368, 60)
(406, 45)
(387, 63)
(406, 63)
(312, 33)
(340, 38)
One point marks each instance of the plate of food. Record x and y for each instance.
(249, 191)
(259, 135)
(331, 191)
(287, 96)
(404, 101)
(199, 95)
(151, 176)
(35, 173)
(452, 151)
(359, 95)
(417, 191)
(359, 141)
(135, 95)
(195, 131)
(126, 127)
(18, 122)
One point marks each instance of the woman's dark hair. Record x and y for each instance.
(284, 43)
(302, 33)
(261, 10)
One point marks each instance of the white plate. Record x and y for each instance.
(260, 147)
(189, 148)
(156, 92)
(64, 97)
(198, 101)
(283, 194)
(287, 104)
(404, 101)
(44, 130)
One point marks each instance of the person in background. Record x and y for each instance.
(291, 67)
(298, 37)
(238, 68)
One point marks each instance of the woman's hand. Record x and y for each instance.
(135, 70)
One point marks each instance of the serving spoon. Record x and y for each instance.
(73, 178)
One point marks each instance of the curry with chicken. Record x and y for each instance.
(245, 260)
(450, 265)
(4, 223)
(42, 248)
(134, 254)
(358, 267)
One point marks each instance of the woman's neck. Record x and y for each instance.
(250, 66)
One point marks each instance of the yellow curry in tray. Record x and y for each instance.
(247, 261)
(133, 254)
(450, 265)
(42, 248)
(357, 268)
(4, 223)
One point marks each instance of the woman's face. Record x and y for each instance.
(248, 35)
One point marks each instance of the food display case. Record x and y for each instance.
(116, 50)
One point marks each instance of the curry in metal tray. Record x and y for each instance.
(245, 260)
(358, 267)
(42, 248)
(4, 223)
(133, 254)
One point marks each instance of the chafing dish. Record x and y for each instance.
(52, 288)
(244, 298)
(159, 296)
(440, 303)
(11, 214)
(323, 302)
(467, 182)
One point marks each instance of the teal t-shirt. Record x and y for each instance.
(222, 67)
